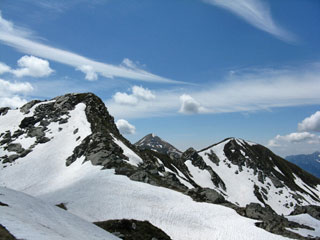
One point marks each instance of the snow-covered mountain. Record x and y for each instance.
(308, 162)
(26, 217)
(68, 151)
(155, 143)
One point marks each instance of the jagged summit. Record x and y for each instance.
(155, 143)
(268, 178)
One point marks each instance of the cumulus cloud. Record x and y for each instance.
(32, 66)
(296, 137)
(189, 105)
(138, 94)
(256, 13)
(142, 93)
(311, 123)
(125, 99)
(125, 127)
(28, 66)
(11, 93)
(91, 75)
(24, 41)
(4, 68)
(295, 143)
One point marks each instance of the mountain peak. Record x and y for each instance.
(155, 143)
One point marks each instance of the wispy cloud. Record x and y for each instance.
(255, 12)
(24, 41)
(261, 89)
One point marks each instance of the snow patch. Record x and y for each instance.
(32, 219)
(134, 159)
(305, 219)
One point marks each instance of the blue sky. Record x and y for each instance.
(192, 71)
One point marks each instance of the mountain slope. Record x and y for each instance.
(308, 162)
(68, 150)
(244, 172)
(28, 218)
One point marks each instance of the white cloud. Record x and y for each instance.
(252, 90)
(125, 127)
(189, 105)
(142, 93)
(12, 102)
(23, 40)
(11, 93)
(28, 66)
(4, 68)
(7, 87)
(125, 99)
(91, 75)
(295, 137)
(32, 66)
(255, 12)
(128, 63)
(139, 94)
(295, 143)
(311, 123)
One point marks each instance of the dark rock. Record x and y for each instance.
(155, 143)
(3, 204)
(43, 140)
(26, 108)
(63, 121)
(37, 132)
(62, 206)
(5, 234)
(133, 229)
(256, 211)
(312, 210)
(28, 121)
(10, 158)
(15, 147)
(4, 110)
(206, 195)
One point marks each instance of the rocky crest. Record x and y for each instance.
(270, 186)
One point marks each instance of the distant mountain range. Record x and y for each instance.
(68, 152)
(308, 162)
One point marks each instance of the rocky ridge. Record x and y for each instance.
(204, 175)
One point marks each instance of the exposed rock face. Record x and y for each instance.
(206, 195)
(233, 173)
(4, 110)
(5, 234)
(129, 229)
(156, 144)
(312, 210)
